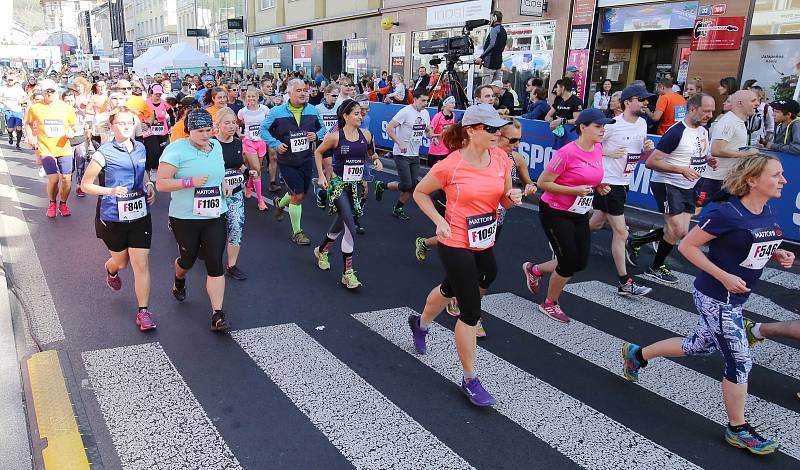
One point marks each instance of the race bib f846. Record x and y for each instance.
(132, 206)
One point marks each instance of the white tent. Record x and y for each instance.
(142, 64)
(182, 55)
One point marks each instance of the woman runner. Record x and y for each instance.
(253, 146)
(155, 135)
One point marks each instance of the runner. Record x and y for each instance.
(742, 234)
(678, 161)
(123, 210)
(327, 110)
(570, 180)
(412, 123)
(54, 120)
(12, 98)
(215, 100)
(351, 153)
(193, 169)
(178, 131)
(290, 129)
(79, 137)
(624, 142)
(251, 117)
(476, 178)
(97, 109)
(510, 136)
(232, 151)
(155, 135)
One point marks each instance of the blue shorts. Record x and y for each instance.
(720, 328)
(13, 119)
(58, 165)
(706, 190)
(297, 178)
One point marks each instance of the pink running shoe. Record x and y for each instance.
(553, 310)
(113, 282)
(532, 279)
(64, 210)
(51, 210)
(144, 321)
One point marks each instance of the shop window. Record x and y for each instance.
(775, 17)
(265, 4)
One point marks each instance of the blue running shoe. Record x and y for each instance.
(478, 395)
(749, 439)
(418, 333)
(631, 365)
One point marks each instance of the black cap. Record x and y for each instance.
(593, 116)
(787, 106)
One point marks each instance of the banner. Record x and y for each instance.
(713, 33)
(538, 145)
(127, 54)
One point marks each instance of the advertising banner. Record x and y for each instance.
(713, 33)
(774, 63)
(679, 15)
(127, 54)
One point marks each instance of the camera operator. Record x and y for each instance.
(493, 46)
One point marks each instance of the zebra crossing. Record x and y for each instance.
(155, 420)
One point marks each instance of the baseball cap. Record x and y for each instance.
(593, 116)
(787, 106)
(208, 78)
(157, 89)
(497, 83)
(635, 90)
(572, 68)
(48, 84)
(483, 114)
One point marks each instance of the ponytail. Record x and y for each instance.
(455, 137)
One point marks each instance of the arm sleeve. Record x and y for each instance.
(266, 136)
(670, 140)
(722, 132)
(558, 163)
(597, 98)
(99, 158)
(492, 42)
(171, 155)
(321, 129)
(661, 104)
(440, 170)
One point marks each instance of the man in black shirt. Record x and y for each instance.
(423, 80)
(493, 47)
(566, 106)
(504, 98)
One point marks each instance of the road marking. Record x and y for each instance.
(153, 417)
(366, 427)
(775, 356)
(755, 303)
(578, 431)
(780, 277)
(690, 389)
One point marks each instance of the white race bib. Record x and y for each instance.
(417, 133)
(298, 142)
(254, 132)
(760, 254)
(353, 169)
(481, 230)
(234, 178)
(132, 206)
(630, 164)
(582, 204)
(207, 202)
(54, 128)
(699, 164)
(157, 129)
(329, 121)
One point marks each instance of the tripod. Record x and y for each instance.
(456, 89)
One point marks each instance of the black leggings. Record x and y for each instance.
(467, 271)
(194, 235)
(569, 237)
(345, 221)
(152, 145)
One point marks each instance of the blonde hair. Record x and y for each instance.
(737, 183)
(514, 124)
(224, 112)
(82, 82)
(252, 89)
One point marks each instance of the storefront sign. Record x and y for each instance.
(583, 12)
(115, 70)
(704, 10)
(679, 15)
(278, 38)
(223, 45)
(719, 9)
(259, 65)
(146, 43)
(398, 65)
(619, 55)
(531, 7)
(580, 59)
(236, 23)
(456, 14)
(297, 35)
(127, 53)
(718, 33)
(197, 33)
(302, 52)
(773, 63)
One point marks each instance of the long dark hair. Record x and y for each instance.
(730, 84)
(208, 98)
(345, 109)
(602, 89)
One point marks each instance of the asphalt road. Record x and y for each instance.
(315, 376)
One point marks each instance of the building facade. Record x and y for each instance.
(225, 40)
(154, 23)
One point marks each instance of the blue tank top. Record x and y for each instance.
(349, 156)
(123, 168)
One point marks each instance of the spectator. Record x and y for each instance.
(761, 125)
(603, 96)
(510, 89)
(504, 98)
(614, 105)
(727, 87)
(398, 95)
(493, 47)
(675, 87)
(787, 134)
(383, 82)
(568, 73)
(693, 87)
(423, 80)
(539, 107)
(566, 106)
(749, 84)
(670, 107)
(318, 77)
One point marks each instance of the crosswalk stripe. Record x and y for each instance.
(690, 389)
(775, 356)
(755, 303)
(578, 431)
(154, 419)
(782, 278)
(378, 435)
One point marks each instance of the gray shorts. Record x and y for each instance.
(407, 171)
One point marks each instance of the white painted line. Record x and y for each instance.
(781, 277)
(27, 269)
(775, 356)
(690, 389)
(581, 433)
(366, 427)
(755, 303)
(154, 419)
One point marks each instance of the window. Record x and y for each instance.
(776, 17)
(265, 4)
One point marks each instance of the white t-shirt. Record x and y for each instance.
(685, 147)
(732, 130)
(328, 115)
(252, 121)
(12, 98)
(411, 130)
(631, 137)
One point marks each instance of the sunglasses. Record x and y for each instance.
(515, 140)
(489, 129)
(49, 91)
(334, 96)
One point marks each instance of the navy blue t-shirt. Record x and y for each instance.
(743, 245)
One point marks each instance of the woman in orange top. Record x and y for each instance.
(178, 131)
(215, 100)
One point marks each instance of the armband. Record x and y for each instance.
(187, 182)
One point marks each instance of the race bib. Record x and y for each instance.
(481, 230)
(234, 178)
(298, 141)
(582, 204)
(766, 241)
(680, 112)
(630, 163)
(132, 206)
(699, 164)
(54, 128)
(417, 133)
(207, 202)
(254, 132)
(329, 121)
(157, 129)
(353, 169)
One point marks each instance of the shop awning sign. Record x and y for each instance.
(712, 33)
(531, 7)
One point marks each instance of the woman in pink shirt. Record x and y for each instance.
(156, 134)
(569, 182)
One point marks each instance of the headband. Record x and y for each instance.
(449, 99)
(199, 119)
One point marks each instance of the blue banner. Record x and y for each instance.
(127, 54)
(650, 17)
(539, 144)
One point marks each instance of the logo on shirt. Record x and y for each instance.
(767, 233)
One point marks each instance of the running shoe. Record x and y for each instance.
(631, 288)
(631, 365)
(262, 206)
(279, 211)
(452, 308)
(478, 395)
(752, 341)
(179, 294)
(218, 322)
(79, 192)
(421, 249)
(553, 310)
(144, 320)
(749, 439)
(63, 210)
(662, 274)
(51, 210)
(380, 187)
(631, 253)
(480, 331)
(400, 213)
(350, 280)
(418, 334)
(113, 282)
(301, 239)
(322, 259)
(235, 273)
(531, 279)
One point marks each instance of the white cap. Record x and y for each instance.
(47, 84)
(483, 114)
(497, 83)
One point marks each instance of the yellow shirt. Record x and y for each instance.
(53, 122)
(139, 105)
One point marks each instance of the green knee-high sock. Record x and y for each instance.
(295, 211)
(284, 201)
